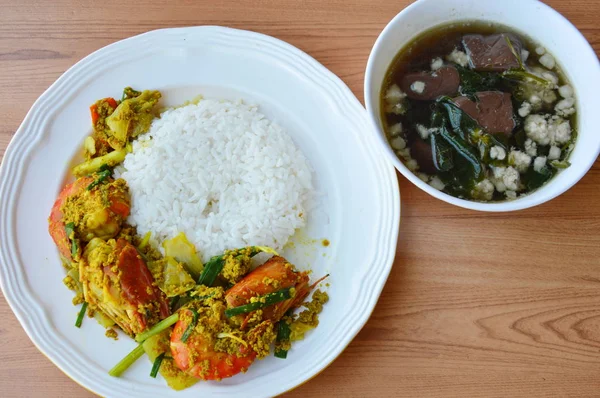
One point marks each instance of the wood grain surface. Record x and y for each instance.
(477, 305)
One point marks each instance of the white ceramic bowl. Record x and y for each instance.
(534, 19)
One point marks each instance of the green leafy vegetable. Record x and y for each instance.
(472, 82)
(454, 145)
(512, 49)
(442, 153)
(462, 124)
(465, 151)
(523, 76)
(520, 138)
(535, 179)
(498, 139)
(81, 314)
(126, 362)
(437, 118)
(261, 302)
(567, 148)
(487, 141)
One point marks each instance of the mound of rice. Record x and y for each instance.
(221, 172)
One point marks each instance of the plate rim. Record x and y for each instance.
(14, 285)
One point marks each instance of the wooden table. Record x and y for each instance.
(477, 305)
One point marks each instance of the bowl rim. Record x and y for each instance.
(539, 196)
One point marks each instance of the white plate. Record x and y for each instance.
(358, 212)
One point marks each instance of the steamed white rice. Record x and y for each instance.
(221, 172)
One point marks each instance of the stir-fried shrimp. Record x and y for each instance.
(208, 345)
(274, 275)
(94, 211)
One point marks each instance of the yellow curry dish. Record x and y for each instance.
(195, 320)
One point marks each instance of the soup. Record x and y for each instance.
(479, 111)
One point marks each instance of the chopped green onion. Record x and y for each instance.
(263, 301)
(81, 314)
(70, 230)
(145, 241)
(159, 327)
(283, 335)
(173, 302)
(156, 365)
(104, 167)
(73, 248)
(215, 265)
(211, 269)
(283, 331)
(191, 326)
(102, 175)
(281, 353)
(126, 362)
